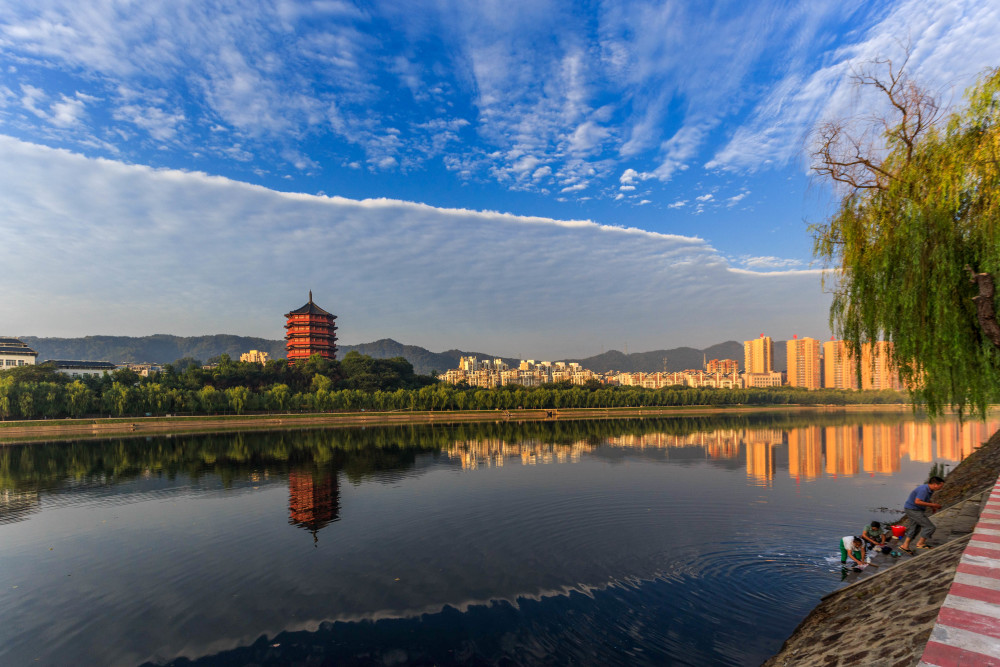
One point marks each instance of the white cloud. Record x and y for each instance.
(680, 203)
(542, 172)
(951, 41)
(705, 197)
(30, 98)
(587, 137)
(735, 199)
(769, 263)
(161, 125)
(630, 176)
(67, 111)
(627, 188)
(96, 246)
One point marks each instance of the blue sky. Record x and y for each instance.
(575, 176)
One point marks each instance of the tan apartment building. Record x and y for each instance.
(841, 368)
(803, 363)
(877, 371)
(724, 366)
(758, 355)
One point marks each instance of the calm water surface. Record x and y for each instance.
(681, 541)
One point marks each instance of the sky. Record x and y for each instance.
(525, 178)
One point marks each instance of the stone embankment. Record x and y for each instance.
(55, 429)
(941, 607)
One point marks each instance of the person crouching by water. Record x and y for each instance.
(875, 539)
(852, 547)
(915, 508)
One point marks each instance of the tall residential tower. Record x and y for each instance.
(758, 355)
(803, 363)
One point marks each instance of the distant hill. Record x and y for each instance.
(163, 348)
(423, 360)
(678, 359)
(157, 349)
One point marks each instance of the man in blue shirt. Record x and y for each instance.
(915, 508)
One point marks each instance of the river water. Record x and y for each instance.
(689, 541)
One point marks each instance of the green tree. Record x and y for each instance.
(116, 399)
(79, 398)
(238, 397)
(915, 242)
(6, 394)
(278, 397)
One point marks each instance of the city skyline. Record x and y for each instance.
(512, 178)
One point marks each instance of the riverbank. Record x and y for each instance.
(887, 618)
(57, 429)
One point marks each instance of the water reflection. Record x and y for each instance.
(843, 450)
(313, 499)
(619, 542)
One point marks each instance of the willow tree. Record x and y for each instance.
(915, 241)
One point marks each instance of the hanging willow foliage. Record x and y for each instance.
(915, 242)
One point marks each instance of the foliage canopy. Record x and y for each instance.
(915, 240)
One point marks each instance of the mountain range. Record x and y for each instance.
(164, 348)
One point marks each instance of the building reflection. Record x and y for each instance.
(917, 442)
(880, 448)
(805, 453)
(813, 451)
(841, 450)
(18, 505)
(760, 446)
(313, 499)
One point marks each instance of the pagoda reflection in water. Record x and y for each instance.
(313, 499)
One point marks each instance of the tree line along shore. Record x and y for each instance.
(357, 383)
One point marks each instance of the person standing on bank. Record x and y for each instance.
(915, 508)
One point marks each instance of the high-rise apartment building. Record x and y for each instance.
(758, 355)
(839, 366)
(803, 363)
(877, 371)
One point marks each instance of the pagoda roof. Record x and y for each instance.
(309, 309)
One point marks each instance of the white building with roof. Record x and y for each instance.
(15, 353)
(75, 368)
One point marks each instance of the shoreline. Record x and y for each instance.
(23, 432)
(889, 617)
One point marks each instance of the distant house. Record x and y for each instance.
(75, 368)
(15, 353)
(145, 370)
(255, 356)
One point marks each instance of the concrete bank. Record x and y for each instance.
(57, 429)
(941, 607)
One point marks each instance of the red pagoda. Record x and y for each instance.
(310, 330)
